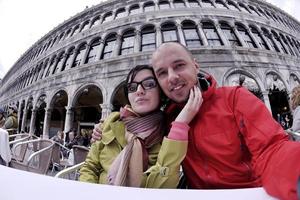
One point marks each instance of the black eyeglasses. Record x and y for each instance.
(146, 84)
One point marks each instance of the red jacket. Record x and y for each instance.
(235, 143)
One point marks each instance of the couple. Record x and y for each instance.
(233, 141)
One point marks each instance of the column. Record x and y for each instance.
(117, 46)
(180, 33)
(46, 69)
(171, 4)
(72, 57)
(158, 36)
(47, 120)
(242, 41)
(265, 39)
(156, 5)
(32, 121)
(187, 3)
(24, 118)
(137, 41)
(19, 116)
(69, 119)
(101, 47)
(88, 47)
(201, 34)
(220, 33)
(106, 110)
(267, 100)
(253, 38)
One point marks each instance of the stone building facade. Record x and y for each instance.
(73, 76)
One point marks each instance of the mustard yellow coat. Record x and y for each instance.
(164, 159)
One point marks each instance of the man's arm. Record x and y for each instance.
(274, 158)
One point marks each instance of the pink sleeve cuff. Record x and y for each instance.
(179, 131)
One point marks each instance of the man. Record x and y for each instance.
(233, 141)
(11, 122)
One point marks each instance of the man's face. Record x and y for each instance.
(175, 70)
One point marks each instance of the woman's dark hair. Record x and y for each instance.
(132, 74)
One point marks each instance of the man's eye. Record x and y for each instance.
(162, 74)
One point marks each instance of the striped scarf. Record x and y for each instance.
(141, 133)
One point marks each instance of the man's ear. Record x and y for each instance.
(196, 64)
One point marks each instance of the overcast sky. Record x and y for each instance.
(23, 22)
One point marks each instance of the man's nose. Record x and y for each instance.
(172, 76)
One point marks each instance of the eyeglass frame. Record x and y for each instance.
(141, 83)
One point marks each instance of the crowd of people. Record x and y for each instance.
(10, 121)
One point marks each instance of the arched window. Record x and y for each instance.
(211, 34)
(191, 35)
(262, 13)
(296, 45)
(68, 63)
(259, 38)
(169, 32)
(53, 42)
(163, 5)
(79, 56)
(76, 30)
(44, 65)
(68, 33)
(94, 49)
(127, 43)
(179, 4)
(107, 17)
(61, 37)
(85, 26)
(232, 6)
(52, 62)
(230, 35)
(207, 4)
(120, 13)
(244, 8)
(59, 64)
(149, 6)
(135, 9)
(194, 3)
(268, 36)
(220, 4)
(95, 21)
(254, 11)
(245, 36)
(287, 44)
(109, 46)
(148, 39)
(279, 42)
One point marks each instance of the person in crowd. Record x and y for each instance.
(133, 151)
(59, 137)
(11, 121)
(71, 140)
(295, 106)
(233, 141)
(2, 117)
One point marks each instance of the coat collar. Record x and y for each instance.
(117, 130)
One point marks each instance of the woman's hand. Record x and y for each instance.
(192, 106)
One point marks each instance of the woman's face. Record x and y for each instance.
(143, 93)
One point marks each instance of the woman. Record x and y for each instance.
(133, 151)
(295, 105)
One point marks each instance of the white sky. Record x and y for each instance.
(23, 22)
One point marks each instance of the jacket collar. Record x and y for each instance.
(117, 132)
